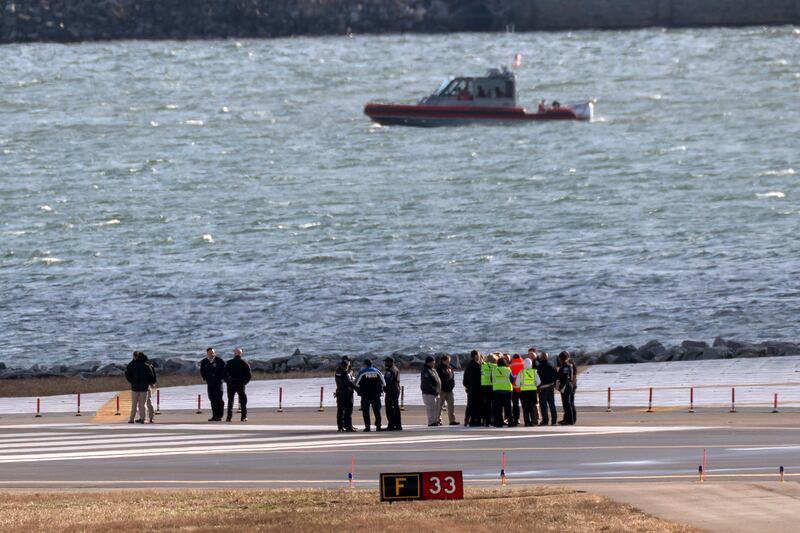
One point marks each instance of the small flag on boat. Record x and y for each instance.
(517, 60)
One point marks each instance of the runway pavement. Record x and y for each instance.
(301, 449)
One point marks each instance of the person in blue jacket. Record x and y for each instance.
(370, 385)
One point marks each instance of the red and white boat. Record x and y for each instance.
(490, 99)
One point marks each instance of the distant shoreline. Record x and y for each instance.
(88, 20)
(301, 364)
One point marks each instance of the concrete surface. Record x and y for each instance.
(647, 459)
(722, 507)
(755, 380)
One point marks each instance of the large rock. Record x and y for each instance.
(324, 363)
(775, 348)
(722, 347)
(297, 361)
(179, 366)
(587, 358)
(258, 365)
(87, 367)
(618, 355)
(750, 350)
(111, 369)
(694, 350)
(649, 352)
(673, 353)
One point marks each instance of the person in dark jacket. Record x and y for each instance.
(431, 386)
(344, 395)
(151, 389)
(140, 375)
(472, 384)
(392, 378)
(370, 385)
(565, 387)
(547, 375)
(237, 376)
(574, 388)
(212, 369)
(447, 377)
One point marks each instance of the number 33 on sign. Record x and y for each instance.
(447, 485)
(442, 485)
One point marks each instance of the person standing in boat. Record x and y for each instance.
(464, 93)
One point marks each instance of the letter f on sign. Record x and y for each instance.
(398, 484)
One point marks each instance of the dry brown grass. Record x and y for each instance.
(501, 509)
(49, 386)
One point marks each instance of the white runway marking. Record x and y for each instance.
(625, 463)
(766, 448)
(88, 442)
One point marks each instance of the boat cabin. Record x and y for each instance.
(496, 89)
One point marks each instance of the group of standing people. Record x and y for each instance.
(370, 383)
(141, 374)
(235, 373)
(502, 390)
(437, 383)
(498, 385)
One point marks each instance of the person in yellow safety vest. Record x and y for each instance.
(516, 366)
(528, 381)
(501, 394)
(486, 388)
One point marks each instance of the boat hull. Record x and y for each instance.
(435, 116)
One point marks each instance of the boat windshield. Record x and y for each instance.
(442, 87)
(454, 87)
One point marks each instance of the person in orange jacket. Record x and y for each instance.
(517, 366)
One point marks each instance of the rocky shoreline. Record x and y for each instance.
(652, 351)
(92, 20)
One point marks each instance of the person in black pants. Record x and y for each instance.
(212, 369)
(547, 375)
(344, 395)
(237, 376)
(501, 403)
(487, 393)
(392, 378)
(566, 388)
(370, 385)
(574, 388)
(472, 384)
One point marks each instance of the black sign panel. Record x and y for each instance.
(405, 486)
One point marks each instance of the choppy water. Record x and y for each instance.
(167, 195)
